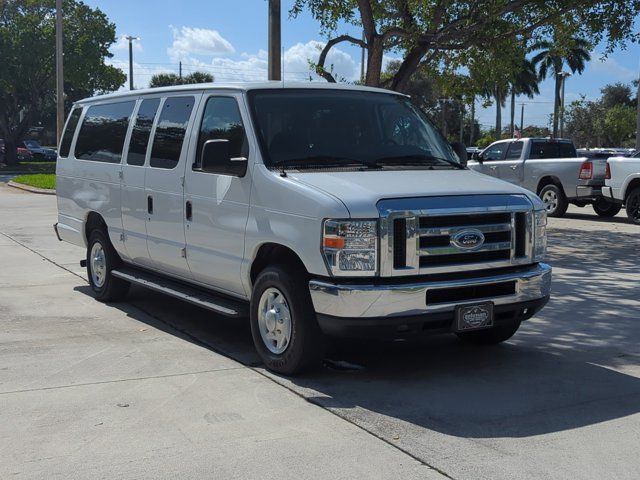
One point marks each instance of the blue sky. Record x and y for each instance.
(229, 40)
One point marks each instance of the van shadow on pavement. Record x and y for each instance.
(556, 374)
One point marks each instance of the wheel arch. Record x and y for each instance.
(550, 180)
(275, 254)
(631, 186)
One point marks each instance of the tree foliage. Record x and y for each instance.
(27, 50)
(169, 79)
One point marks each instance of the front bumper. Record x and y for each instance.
(396, 305)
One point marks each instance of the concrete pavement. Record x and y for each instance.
(89, 390)
(561, 400)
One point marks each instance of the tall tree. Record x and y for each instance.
(523, 82)
(552, 56)
(169, 79)
(428, 30)
(27, 50)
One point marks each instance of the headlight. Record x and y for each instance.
(350, 247)
(539, 235)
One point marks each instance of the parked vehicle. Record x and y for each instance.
(551, 169)
(23, 154)
(472, 152)
(623, 184)
(315, 209)
(40, 152)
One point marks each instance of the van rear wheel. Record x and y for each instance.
(101, 259)
(283, 322)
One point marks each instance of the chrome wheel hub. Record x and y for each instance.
(274, 320)
(98, 265)
(550, 199)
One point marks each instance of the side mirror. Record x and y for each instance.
(461, 151)
(479, 158)
(217, 159)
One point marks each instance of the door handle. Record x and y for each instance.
(189, 211)
(150, 204)
(493, 167)
(514, 167)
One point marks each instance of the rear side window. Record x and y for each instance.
(222, 120)
(67, 136)
(515, 150)
(141, 131)
(101, 137)
(544, 149)
(169, 136)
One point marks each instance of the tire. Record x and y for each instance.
(491, 336)
(633, 206)
(282, 289)
(101, 259)
(554, 200)
(605, 208)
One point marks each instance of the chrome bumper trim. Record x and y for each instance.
(366, 301)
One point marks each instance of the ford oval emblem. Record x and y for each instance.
(470, 239)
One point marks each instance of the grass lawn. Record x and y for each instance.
(40, 180)
(31, 167)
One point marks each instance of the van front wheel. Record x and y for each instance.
(283, 323)
(101, 259)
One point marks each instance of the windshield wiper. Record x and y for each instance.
(322, 161)
(421, 158)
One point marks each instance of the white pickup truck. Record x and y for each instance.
(550, 168)
(313, 209)
(623, 184)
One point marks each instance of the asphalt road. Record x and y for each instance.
(561, 400)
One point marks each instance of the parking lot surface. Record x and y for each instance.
(154, 388)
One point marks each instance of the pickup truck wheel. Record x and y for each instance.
(491, 336)
(283, 322)
(554, 200)
(633, 206)
(101, 259)
(605, 208)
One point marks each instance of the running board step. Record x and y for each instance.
(204, 299)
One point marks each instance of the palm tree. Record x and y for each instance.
(524, 82)
(552, 57)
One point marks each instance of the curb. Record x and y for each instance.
(28, 188)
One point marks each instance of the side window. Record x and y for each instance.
(540, 150)
(495, 152)
(101, 137)
(142, 131)
(222, 120)
(67, 136)
(169, 136)
(515, 151)
(566, 150)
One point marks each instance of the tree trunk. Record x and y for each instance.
(473, 121)
(10, 152)
(513, 112)
(556, 106)
(498, 99)
(408, 68)
(374, 61)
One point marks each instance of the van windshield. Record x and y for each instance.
(317, 128)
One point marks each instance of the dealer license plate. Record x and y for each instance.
(474, 317)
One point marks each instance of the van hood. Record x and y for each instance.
(360, 191)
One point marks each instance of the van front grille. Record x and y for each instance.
(426, 241)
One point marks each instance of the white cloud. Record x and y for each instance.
(122, 44)
(611, 68)
(189, 41)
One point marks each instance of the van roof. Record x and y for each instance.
(245, 86)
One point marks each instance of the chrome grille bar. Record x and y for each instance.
(451, 250)
(442, 231)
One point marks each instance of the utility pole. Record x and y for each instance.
(131, 39)
(461, 136)
(180, 70)
(522, 117)
(59, 73)
(473, 120)
(275, 41)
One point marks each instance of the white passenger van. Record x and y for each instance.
(314, 209)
